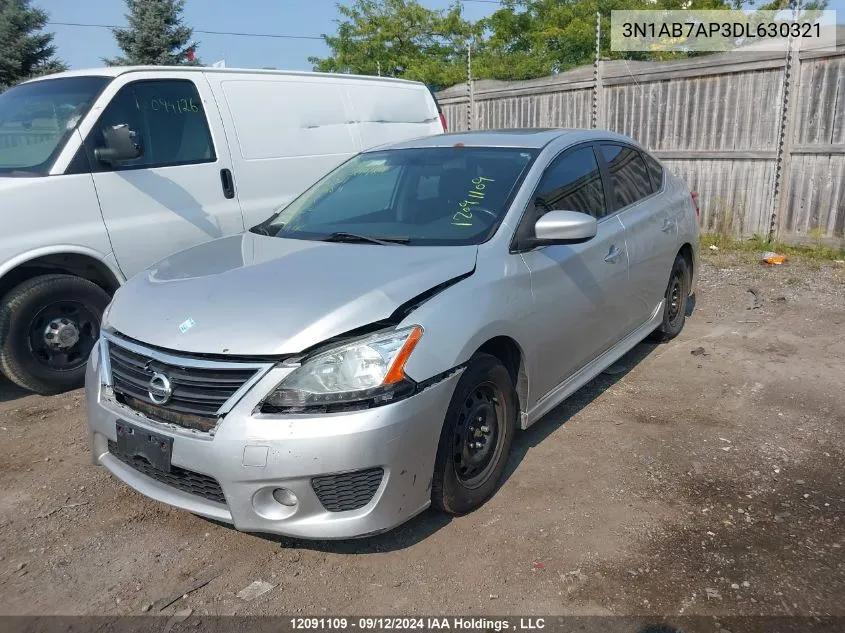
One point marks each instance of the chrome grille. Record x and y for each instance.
(200, 389)
(347, 491)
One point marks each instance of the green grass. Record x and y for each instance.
(758, 245)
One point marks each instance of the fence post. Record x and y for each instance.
(470, 90)
(792, 112)
(786, 129)
(597, 70)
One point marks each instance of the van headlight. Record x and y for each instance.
(359, 374)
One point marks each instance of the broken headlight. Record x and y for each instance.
(359, 374)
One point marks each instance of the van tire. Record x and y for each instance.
(484, 398)
(675, 307)
(71, 308)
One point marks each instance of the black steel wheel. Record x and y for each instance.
(48, 326)
(476, 437)
(675, 307)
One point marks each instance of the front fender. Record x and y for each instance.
(459, 320)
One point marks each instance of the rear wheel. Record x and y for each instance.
(675, 307)
(48, 326)
(476, 437)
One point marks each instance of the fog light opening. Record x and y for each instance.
(285, 497)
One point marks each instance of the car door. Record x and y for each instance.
(578, 289)
(650, 229)
(180, 191)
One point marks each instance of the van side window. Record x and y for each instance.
(573, 183)
(628, 174)
(168, 118)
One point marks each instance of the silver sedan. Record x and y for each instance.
(372, 348)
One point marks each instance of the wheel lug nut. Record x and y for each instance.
(485, 429)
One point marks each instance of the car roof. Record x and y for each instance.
(526, 138)
(115, 71)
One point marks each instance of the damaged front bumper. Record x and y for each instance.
(312, 476)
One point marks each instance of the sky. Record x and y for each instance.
(84, 47)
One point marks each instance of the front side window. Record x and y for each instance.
(167, 118)
(37, 118)
(573, 183)
(628, 175)
(420, 196)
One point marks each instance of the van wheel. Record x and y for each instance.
(476, 437)
(48, 326)
(675, 308)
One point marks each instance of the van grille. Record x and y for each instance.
(198, 392)
(347, 491)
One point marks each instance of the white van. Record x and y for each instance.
(104, 172)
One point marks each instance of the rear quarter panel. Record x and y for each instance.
(688, 222)
(386, 113)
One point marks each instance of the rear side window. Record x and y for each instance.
(655, 171)
(169, 119)
(628, 174)
(573, 183)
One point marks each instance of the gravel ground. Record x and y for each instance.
(705, 476)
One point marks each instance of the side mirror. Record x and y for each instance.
(564, 227)
(121, 144)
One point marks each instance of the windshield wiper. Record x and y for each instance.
(341, 236)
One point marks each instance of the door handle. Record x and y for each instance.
(228, 183)
(613, 255)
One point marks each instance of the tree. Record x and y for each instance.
(155, 35)
(399, 38)
(24, 50)
(534, 38)
(525, 39)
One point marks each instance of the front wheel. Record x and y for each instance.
(476, 437)
(675, 306)
(48, 326)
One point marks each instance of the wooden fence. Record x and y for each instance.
(760, 136)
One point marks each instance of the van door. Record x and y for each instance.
(286, 131)
(180, 192)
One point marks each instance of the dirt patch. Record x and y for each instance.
(707, 483)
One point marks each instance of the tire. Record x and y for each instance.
(42, 361)
(675, 308)
(485, 390)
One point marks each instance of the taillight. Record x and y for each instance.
(694, 196)
(443, 121)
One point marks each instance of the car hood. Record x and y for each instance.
(254, 295)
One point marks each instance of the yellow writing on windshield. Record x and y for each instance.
(475, 194)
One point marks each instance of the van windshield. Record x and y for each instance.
(36, 120)
(420, 196)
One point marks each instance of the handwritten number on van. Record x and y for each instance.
(476, 192)
(179, 106)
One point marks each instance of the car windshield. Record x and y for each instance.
(36, 120)
(421, 196)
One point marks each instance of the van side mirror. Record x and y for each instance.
(121, 144)
(564, 227)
